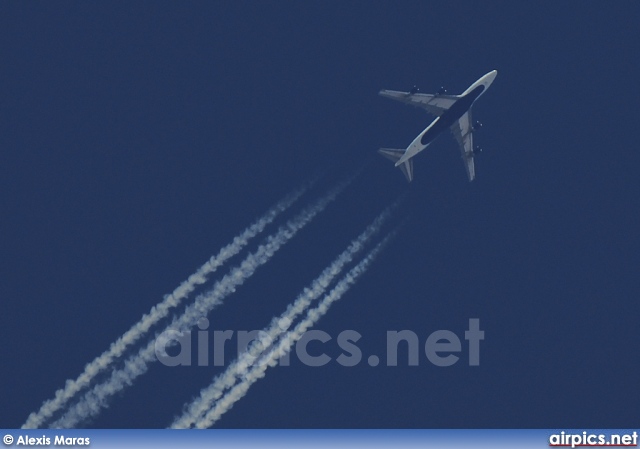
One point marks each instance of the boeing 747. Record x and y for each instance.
(451, 111)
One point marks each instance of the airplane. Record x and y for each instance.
(451, 111)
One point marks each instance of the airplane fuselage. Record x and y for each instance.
(448, 117)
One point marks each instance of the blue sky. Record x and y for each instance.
(138, 138)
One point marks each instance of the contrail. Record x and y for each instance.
(277, 327)
(289, 339)
(158, 312)
(96, 398)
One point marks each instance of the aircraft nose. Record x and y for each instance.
(489, 77)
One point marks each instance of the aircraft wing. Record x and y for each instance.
(434, 104)
(463, 132)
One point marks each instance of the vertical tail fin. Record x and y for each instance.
(393, 155)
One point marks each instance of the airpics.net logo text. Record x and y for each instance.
(206, 347)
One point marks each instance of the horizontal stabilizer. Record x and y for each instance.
(391, 153)
(394, 155)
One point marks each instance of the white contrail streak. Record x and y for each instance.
(289, 339)
(96, 398)
(277, 327)
(158, 312)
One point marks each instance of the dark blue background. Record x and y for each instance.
(137, 138)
